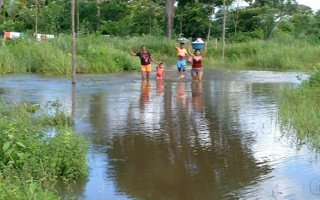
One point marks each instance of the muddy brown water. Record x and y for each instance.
(215, 139)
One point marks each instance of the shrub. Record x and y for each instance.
(31, 159)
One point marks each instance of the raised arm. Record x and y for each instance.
(204, 50)
(131, 52)
(176, 45)
(189, 50)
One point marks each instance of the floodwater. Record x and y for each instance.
(178, 140)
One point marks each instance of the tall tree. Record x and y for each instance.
(210, 22)
(224, 28)
(98, 12)
(1, 4)
(235, 16)
(195, 18)
(283, 10)
(73, 50)
(36, 27)
(78, 16)
(169, 17)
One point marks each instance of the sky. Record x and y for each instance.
(314, 4)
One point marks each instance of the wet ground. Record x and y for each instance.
(215, 139)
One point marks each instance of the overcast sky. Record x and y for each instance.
(314, 4)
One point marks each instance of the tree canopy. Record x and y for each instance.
(261, 19)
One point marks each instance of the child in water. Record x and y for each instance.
(160, 73)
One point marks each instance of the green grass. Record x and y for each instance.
(300, 108)
(100, 54)
(275, 54)
(31, 161)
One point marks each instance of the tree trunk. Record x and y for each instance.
(150, 22)
(169, 17)
(236, 19)
(1, 3)
(78, 16)
(36, 28)
(98, 13)
(224, 29)
(73, 50)
(210, 23)
(275, 28)
(181, 11)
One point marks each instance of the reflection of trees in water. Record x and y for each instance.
(97, 117)
(194, 154)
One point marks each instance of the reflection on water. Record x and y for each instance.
(177, 153)
(159, 86)
(145, 92)
(215, 139)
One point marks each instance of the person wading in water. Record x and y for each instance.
(197, 70)
(145, 58)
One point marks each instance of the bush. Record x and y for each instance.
(31, 159)
(313, 81)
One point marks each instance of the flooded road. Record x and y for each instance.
(215, 139)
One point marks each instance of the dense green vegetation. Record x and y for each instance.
(53, 57)
(32, 160)
(266, 34)
(100, 54)
(260, 19)
(300, 109)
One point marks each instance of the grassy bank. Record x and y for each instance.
(100, 54)
(280, 53)
(300, 109)
(31, 160)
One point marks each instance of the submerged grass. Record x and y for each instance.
(300, 109)
(31, 161)
(100, 54)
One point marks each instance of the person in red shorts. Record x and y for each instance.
(160, 73)
(145, 58)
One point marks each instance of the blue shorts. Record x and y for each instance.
(196, 70)
(181, 63)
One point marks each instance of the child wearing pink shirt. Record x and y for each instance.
(160, 73)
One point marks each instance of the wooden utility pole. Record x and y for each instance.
(73, 50)
(224, 29)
